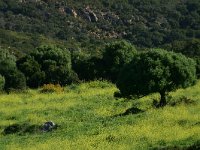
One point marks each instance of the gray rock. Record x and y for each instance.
(89, 15)
(71, 12)
(93, 17)
(49, 126)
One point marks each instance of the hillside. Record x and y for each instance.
(89, 117)
(100, 74)
(88, 24)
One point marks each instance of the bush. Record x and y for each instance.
(51, 88)
(15, 80)
(197, 59)
(156, 71)
(32, 70)
(47, 64)
(2, 82)
(87, 68)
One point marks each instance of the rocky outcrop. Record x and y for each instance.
(110, 16)
(62, 10)
(71, 12)
(93, 17)
(34, 1)
(89, 15)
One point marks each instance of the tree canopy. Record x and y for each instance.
(47, 64)
(115, 56)
(156, 71)
(14, 79)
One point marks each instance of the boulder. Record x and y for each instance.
(93, 17)
(49, 126)
(62, 10)
(89, 15)
(71, 12)
(86, 15)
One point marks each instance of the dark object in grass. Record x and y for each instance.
(117, 94)
(110, 138)
(49, 126)
(174, 102)
(130, 111)
(25, 128)
(195, 146)
(21, 129)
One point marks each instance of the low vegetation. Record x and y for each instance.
(51, 88)
(89, 117)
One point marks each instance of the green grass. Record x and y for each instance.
(85, 115)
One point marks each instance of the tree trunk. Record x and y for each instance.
(163, 101)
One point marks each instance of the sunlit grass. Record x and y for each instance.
(85, 115)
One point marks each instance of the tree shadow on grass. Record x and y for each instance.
(26, 128)
(21, 129)
(130, 111)
(195, 146)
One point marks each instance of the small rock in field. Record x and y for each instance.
(49, 126)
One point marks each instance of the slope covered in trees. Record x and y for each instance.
(83, 24)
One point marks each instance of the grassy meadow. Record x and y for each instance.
(88, 117)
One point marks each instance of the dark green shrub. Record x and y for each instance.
(32, 70)
(48, 64)
(7, 61)
(156, 71)
(190, 48)
(197, 59)
(36, 79)
(55, 62)
(87, 68)
(14, 79)
(116, 55)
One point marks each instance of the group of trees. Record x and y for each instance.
(135, 73)
(47, 64)
(108, 65)
(190, 48)
(173, 25)
(10, 76)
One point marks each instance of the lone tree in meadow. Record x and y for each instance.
(156, 71)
